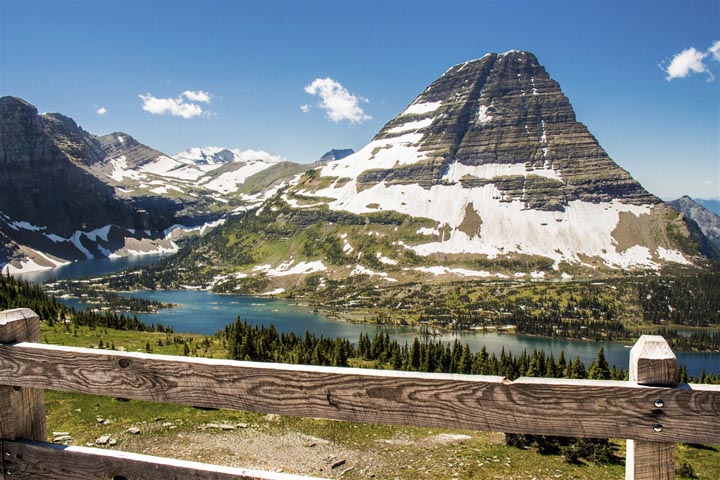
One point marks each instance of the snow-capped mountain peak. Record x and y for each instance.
(222, 155)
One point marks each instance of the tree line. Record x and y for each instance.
(266, 344)
(16, 293)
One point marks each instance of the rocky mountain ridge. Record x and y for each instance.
(71, 195)
(710, 203)
(707, 220)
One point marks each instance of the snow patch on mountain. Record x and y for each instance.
(427, 231)
(412, 126)
(287, 268)
(101, 233)
(492, 171)
(483, 116)
(462, 272)
(120, 170)
(362, 270)
(27, 265)
(164, 166)
(145, 247)
(584, 228)
(25, 226)
(200, 229)
(386, 260)
(421, 108)
(229, 181)
(380, 153)
(672, 256)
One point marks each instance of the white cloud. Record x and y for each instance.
(176, 106)
(101, 111)
(197, 96)
(250, 155)
(715, 50)
(685, 62)
(337, 101)
(691, 61)
(305, 108)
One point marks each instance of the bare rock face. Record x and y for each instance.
(506, 110)
(55, 206)
(117, 144)
(707, 221)
(42, 183)
(334, 154)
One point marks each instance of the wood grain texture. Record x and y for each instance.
(45, 461)
(19, 325)
(649, 461)
(22, 410)
(582, 408)
(652, 362)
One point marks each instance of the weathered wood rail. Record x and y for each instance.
(650, 410)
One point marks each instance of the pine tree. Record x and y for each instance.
(465, 362)
(599, 369)
(577, 369)
(415, 355)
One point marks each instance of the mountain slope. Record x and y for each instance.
(493, 153)
(70, 195)
(42, 181)
(708, 221)
(487, 173)
(711, 204)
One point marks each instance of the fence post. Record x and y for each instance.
(22, 410)
(652, 362)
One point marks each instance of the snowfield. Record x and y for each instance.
(506, 227)
(287, 268)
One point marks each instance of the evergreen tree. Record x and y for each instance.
(576, 369)
(599, 369)
(465, 363)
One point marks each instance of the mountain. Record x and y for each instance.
(711, 204)
(43, 161)
(334, 154)
(70, 195)
(203, 181)
(487, 173)
(708, 221)
(53, 209)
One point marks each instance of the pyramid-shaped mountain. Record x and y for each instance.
(486, 174)
(492, 153)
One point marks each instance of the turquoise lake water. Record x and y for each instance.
(206, 313)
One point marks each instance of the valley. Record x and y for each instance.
(484, 206)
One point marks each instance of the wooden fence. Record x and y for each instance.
(650, 410)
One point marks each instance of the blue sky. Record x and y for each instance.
(255, 60)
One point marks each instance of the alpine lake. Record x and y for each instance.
(204, 312)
